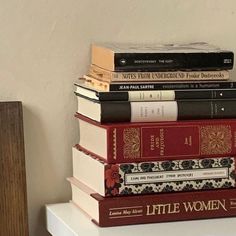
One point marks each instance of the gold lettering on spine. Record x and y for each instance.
(162, 142)
(152, 142)
(150, 210)
(124, 212)
(188, 141)
(195, 206)
(162, 209)
(211, 205)
(232, 203)
(158, 142)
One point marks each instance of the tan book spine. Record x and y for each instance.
(110, 76)
(103, 57)
(95, 83)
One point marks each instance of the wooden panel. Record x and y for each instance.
(13, 201)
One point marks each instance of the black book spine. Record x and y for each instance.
(115, 112)
(170, 95)
(206, 94)
(167, 110)
(173, 61)
(113, 96)
(171, 86)
(209, 109)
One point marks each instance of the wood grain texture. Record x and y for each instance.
(13, 200)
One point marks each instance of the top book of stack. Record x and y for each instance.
(168, 57)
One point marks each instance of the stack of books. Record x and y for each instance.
(157, 134)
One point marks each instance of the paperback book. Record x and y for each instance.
(131, 57)
(153, 95)
(151, 85)
(111, 76)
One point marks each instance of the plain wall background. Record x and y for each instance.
(45, 46)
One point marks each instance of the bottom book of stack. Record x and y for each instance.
(162, 207)
(160, 191)
(66, 219)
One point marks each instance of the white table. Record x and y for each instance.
(67, 220)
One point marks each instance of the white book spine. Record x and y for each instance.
(154, 111)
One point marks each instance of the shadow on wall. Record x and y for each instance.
(45, 184)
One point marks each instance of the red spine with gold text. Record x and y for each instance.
(154, 208)
(139, 142)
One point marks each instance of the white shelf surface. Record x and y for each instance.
(65, 219)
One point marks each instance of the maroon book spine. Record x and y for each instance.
(139, 142)
(166, 207)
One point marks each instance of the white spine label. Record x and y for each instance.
(178, 175)
(151, 95)
(154, 111)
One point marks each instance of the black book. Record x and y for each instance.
(192, 56)
(147, 86)
(122, 111)
(154, 95)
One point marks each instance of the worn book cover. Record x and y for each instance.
(154, 57)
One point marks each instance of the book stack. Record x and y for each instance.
(157, 134)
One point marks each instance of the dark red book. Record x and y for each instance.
(153, 208)
(140, 142)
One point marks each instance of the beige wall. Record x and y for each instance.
(44, 47)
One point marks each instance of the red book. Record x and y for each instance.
(153, 208)
(140, 142)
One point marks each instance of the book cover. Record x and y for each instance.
(153, 177)
(147, 86)
(153, 208)
(153, 95)
(138, 142)
(110, 76)
(156, 111)
(192, 56)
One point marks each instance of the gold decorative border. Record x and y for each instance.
(131, 137)
(215, 139)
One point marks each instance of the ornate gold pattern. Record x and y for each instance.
(215, 139)
(131, 137)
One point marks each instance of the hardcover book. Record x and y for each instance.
(147, 86)
(131, 57)
(155, 111)
(153, 95)
(153, 177)
(110, 76)
(154, 208)
(141, 142)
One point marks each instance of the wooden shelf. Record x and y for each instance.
(13, 197)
